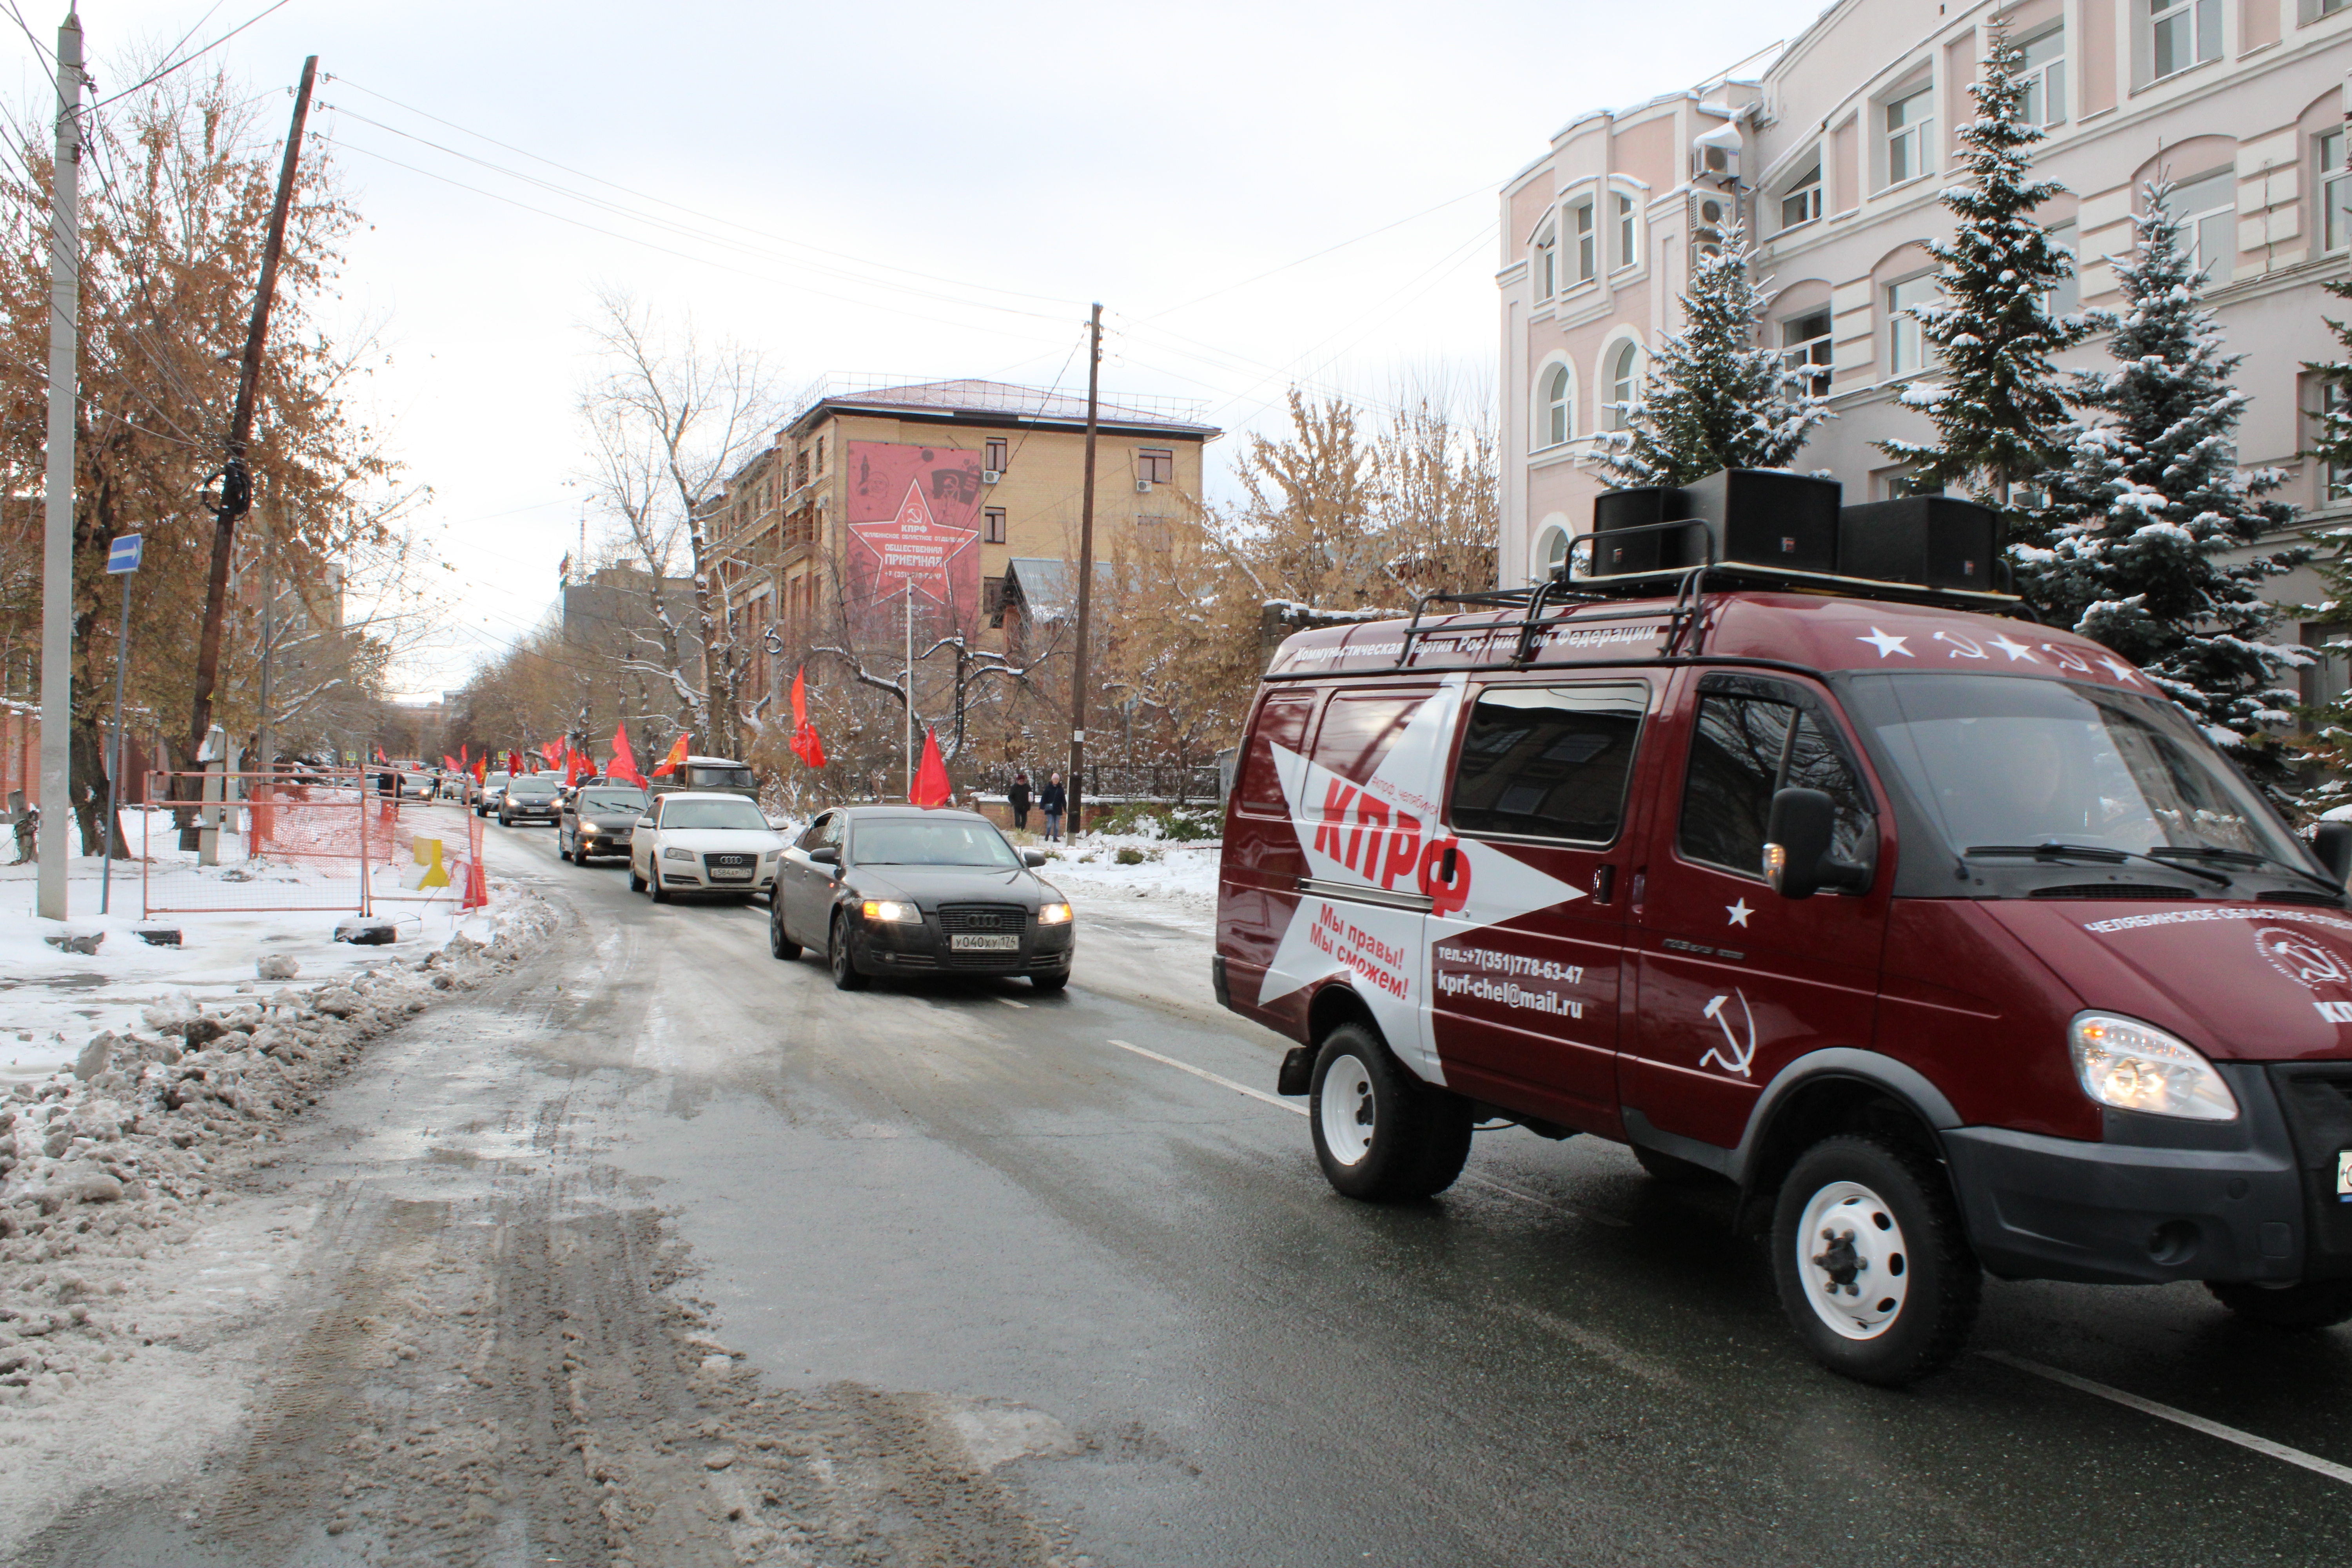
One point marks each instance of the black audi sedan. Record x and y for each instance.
(896, 889)
(597, 820)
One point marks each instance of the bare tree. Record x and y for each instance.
(670, 418)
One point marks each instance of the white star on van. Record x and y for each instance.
(1886, 643)
(1738, 912)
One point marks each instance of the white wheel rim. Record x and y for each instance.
(1852, 1256)
(1348, 1109)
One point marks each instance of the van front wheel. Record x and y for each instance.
(1872, 1261)
(1381, 1134)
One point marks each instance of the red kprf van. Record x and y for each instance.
(1943, 935)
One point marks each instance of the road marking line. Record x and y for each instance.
(1546, 1203)
(1212, 1077)
(1011, 1003)
(2312, 1462)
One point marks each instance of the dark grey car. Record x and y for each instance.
(895, 889)
(597, 820)
(529, 799)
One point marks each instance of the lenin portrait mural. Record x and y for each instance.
(914, 519)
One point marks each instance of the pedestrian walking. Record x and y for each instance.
(1052, 800)
(1017, 798)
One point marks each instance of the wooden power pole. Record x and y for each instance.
(1086, 574)
(237, 483)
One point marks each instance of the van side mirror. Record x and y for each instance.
(825, 855)
(1797, 840)
(2332, 842)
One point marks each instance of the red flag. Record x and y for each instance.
(674, 760)
(571, 761)
(805, 744)
(550, 753)
(448, 762)
(464, 757)
(482, 768)
(379, 754)
(931, 775)
(625, 760)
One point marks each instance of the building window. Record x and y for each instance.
(1551, 551)
(1158, 467)
(2334, 190)
(2335, 479)
(2325, 679)
(2208, 210)
(2045, 77)
(991, 526)
(2065, 297)
(1907, 346)
(1624, 385)
(1556, 426)
(1628, 232)
(1587, 259)
(1910, 136)
(2182, 33)
(998, 454)
(1801, 202)
(1805, 351)
(1547, 266)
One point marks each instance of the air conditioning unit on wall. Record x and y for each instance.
(1715, 155)
(990, 475)
(1143, 487)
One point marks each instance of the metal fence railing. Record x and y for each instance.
(1174, 782)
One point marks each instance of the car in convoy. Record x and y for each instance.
(529, 799)
(709, 773)
(705, 842)
(597, 820)
(900, 890)
(486, 799)
(1943, 938)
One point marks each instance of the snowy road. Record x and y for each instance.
(662, 1252)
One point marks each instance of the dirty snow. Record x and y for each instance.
(1169, 879)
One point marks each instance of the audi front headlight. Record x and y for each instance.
(892, 910)
(1054, 915)
(675, 853)
(2137, 1067)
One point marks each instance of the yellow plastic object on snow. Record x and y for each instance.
(428, 871)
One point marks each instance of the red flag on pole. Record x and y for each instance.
(448, 762)
(675, 760)
(625, 760)
(931, 775)
(465, 757)
(549, 751)
(571, 761)
(482, 768)
(379, 754)
(805, 744)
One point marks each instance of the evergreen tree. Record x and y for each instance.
(2151, 503)
(2331, 723)
(1998, 411)
(2333, 448)
(1715, 399)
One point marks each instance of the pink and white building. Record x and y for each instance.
(1835, 157)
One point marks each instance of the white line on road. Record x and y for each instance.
(1011, 1003)
(1546, 1203)
(2312, 1462)
(1212, 1077)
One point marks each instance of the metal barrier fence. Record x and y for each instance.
(301, 841)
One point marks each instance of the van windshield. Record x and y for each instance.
(699, 776)
(2011, 761)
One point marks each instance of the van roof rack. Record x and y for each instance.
(1689, 586)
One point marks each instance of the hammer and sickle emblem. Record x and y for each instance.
(1730, 1056)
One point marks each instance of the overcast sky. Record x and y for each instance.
(1183, 165)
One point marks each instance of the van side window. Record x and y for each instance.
(1746, 746)
(1281, 722)
(1549, 762)
(1358, 730)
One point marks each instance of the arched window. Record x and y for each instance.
(1557, 425)
(1551, 551)
(1624, 385)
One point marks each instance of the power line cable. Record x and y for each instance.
(208, 49)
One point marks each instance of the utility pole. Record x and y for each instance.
(267, 761)
(1086, 574)
(910, 691)
(237, 485)
(57, 485)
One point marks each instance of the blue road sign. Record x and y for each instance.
(123, 555)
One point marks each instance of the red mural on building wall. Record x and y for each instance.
(913, 518)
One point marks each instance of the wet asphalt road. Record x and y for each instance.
(970, 1189)
(965, 1202)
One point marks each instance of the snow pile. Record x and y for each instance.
(104, 1165)
(1176, 881)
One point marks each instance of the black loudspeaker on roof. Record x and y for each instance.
(1771, 518)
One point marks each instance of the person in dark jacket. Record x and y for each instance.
(1052, 800)
(1017, 798)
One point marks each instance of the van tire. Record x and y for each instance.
(1389, 1138)
(1918, 1238)
(1673, 1171)
(2314, 1304)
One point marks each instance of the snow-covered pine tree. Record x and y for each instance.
(1715, 398)
(1998, 414)
(2151, 503)
(2332, 447)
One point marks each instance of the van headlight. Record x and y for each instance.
(2137, 1067)
(1054, 914)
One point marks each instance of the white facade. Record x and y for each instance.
(1836, 159)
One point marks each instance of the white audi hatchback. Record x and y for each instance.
(696, 842)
